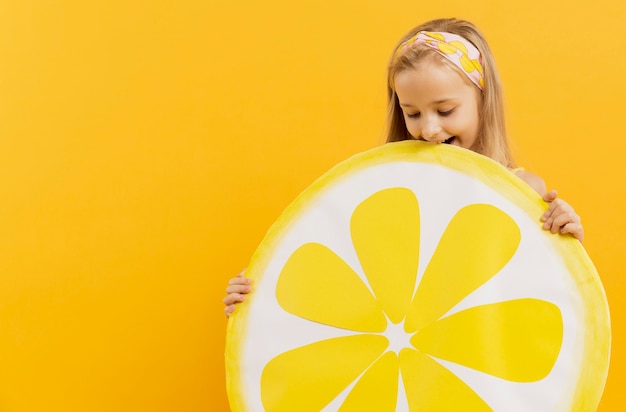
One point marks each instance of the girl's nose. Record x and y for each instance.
(430, 131)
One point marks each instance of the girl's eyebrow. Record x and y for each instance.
(440, 101)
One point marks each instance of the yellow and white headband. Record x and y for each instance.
(453, 47)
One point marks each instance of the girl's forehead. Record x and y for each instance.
(431, 79)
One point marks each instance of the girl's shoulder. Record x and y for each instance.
(533, 180)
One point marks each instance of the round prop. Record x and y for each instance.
(417, 277)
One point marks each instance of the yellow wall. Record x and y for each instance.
(146, 146)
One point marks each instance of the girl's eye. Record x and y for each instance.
(445, 112)
(413, 115)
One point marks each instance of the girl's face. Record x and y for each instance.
(438, 104)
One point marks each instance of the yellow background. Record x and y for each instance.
(145, 147)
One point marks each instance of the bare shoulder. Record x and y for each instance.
(533, 181)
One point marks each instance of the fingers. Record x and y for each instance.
(230, 301)
(561, 218)
(557, 210)
(228, 310)
(239, 285)
(239, 280)
(233, 298)
(575, 229)
(236, 290)
(550, 196)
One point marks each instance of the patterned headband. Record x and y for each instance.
(455, 48)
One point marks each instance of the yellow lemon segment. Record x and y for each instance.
(466, 63)
(309, 377)
(446, 48)
(385, 233)
(431, 387)
(518, 340)
(477, 66)
(454, 270)
(460, 46)
(382, 379)
(437, 36)
(315, 274)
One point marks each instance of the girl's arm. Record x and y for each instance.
(236, 291)
(560, 216)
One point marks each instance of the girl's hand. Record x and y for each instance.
(237, 288)
(561, 217)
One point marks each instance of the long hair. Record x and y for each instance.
(492, 139)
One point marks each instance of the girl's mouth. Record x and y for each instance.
(449, 140)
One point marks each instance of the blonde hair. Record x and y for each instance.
(492, 139)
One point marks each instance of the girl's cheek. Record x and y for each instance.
(411, 128)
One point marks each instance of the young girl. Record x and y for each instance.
(443, 87)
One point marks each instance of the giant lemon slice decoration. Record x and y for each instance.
(416, 277)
